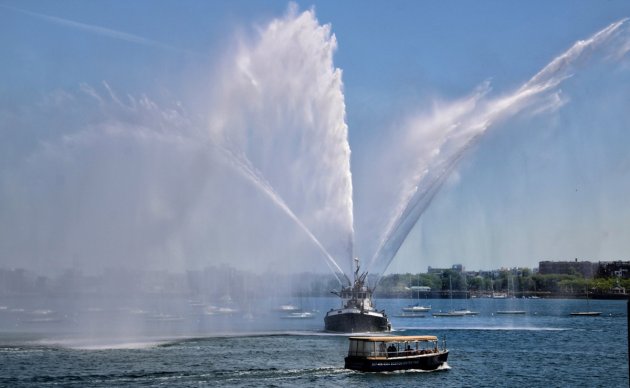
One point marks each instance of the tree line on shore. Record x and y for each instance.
(521, 282)
(217, 282)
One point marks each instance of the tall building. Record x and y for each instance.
(608, 269)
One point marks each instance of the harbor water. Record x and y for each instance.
(543, 347)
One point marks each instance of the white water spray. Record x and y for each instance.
(281, 106)
(250, 173)
(452, 132)
(278, 116)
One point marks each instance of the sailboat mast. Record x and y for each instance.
(450, 291)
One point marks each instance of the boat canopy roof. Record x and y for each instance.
(406, 338)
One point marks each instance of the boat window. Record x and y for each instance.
(382, 349)
(353, 348)
(363, 348)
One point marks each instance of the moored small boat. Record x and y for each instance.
(390, 353)
(416, 309)
(449, 314)
(586, 313)
(466, 312)
(287, 308)
(454, 313)
(299, 315)
(410, 315)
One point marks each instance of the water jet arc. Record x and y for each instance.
(248, 172)
(548, 78)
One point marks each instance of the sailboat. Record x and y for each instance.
(587, 313)
(417, 308)
(466, 311)
(451, 313)
(511, 312)
(497, 295)
(297, 312)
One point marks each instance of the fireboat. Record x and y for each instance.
(357, 313)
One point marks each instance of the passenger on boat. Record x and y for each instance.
(391, 350)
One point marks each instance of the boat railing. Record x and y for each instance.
(412, 352)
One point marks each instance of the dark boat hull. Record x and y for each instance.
(356, 323)
(422, 362)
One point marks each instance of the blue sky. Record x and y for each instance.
(546, 187)
(446, 47)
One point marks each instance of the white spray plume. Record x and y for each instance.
(281, 106)
(441, 139)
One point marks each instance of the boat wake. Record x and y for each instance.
(81, 343)
(483, 328)
(281, 375)
(103, 344)
(442, 367)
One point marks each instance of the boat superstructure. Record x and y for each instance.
(357, 313)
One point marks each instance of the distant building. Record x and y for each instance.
(608, 269)
(618, 290)
(493, 273)
(420, 288)
(585, 268)
(456, 267)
